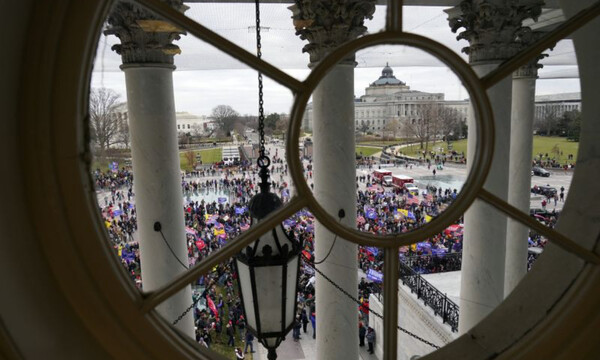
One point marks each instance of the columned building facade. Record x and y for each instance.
(389, 99)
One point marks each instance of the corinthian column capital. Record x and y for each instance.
(326, 24)
(491, 26)
(145, 38)
(525, 38)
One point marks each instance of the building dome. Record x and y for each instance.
(387, 77)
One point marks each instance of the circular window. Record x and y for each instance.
(124, 320)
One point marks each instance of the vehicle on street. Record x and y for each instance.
(399, 181)
(546, 190)
(412, 188)
(379, 175)
(540, 171)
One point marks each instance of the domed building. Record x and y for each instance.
(387, 99)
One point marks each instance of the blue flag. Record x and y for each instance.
(371, 214)
(374, 275)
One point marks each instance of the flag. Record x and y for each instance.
(374, 275)
(411, 216)
(218, 232)
(372, 250)
(371, 214)
(200, 244)
(428, 218)
(212, 307)
(222, 200)
(240, 210)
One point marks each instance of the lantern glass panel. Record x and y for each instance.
(268, 292)
(291, 284)
(246, 288)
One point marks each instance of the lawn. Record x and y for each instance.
(208, 156)
(222, 348)
(541, 144)
(367, 150)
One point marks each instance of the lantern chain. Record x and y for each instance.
(261, 111)
(184, 313)
(359, 303)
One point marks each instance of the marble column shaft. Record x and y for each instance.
(519, 183)
(492, 29)
(147, 51)
(157, 185)
(335, 188)
(484, 241)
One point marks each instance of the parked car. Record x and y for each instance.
(540, 171)
(547, 191)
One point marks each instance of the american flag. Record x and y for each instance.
(412, 200)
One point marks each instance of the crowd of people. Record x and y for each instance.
(547, 161)
(211, 224)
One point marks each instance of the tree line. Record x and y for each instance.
(108, 122)
(430, 123)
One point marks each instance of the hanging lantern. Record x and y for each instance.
(268, 273)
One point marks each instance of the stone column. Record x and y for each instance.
(325, 25)
(519, 180)
(147, 52)
(491, 27)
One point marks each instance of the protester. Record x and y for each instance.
(371, 339)
(362, 332)
(249, 339)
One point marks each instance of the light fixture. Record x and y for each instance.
(268, 273)
(268, 269)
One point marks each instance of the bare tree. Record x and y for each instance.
(423, 127)
(225, 117)
(197, 130)
(190, 157)
(546, 122)
(392, 127)
(364, 127)
(449, 122)
(104, 120)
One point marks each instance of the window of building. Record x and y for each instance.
(189, 125)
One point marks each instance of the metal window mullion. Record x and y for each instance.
(221, 43)
(394, 16)
(553, 236)
(151, 300)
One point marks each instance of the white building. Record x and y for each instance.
(191, 123)
(388, 99)
(556, 104)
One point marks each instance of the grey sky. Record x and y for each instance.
(206, 77)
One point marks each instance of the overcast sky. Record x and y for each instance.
(206, 77)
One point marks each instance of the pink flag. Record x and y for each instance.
(212, 307)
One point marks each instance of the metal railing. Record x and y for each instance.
(425, 264)
(432, 297)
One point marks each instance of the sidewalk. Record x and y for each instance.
(306, 348)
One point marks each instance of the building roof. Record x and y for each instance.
(387, 77)
(574, 96)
